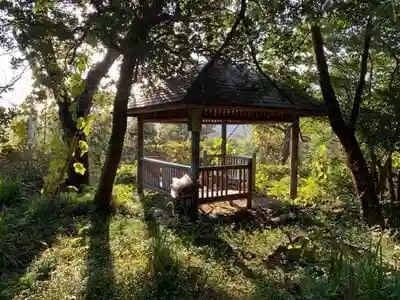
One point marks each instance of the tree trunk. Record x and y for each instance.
(83, 106)
(398, 187)
(391, 188)
(286, 146)
(119, 124)
(355, 159)
(361, 177)
(383, 173)
(373, 167)
(75, 179)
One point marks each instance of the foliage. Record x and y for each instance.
(6, 117)
(126, 174)
(172, 132)
(10, 191)
(269, 141)
(62, 248)
(363, 280)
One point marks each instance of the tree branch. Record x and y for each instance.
(232, 33)
(327, 90)
(84, 100)
(259, 68)
(363, 71)
(7, 87)
(394, 73)
(371, 62)
(75, 47)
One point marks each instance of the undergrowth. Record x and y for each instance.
(63, 249)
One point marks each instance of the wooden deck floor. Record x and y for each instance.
(225, 207)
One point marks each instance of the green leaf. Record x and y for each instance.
(81, 62)
(80, 123)
(88, 126)
(76, 84)
(83, 145)
(79, 168)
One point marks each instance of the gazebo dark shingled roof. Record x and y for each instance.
(227, 93)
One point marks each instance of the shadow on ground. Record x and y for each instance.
(99, 264)
(26, 230)
(166, 277)
(205, 234)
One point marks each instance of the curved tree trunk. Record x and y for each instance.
(373, 167)
(391, 187)
(355, 159)
(119, 124)
(134, 49)
(83, 106)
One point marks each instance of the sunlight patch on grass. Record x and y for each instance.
(62, 250)
(57, 273)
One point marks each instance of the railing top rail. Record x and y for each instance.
(225, 167)
(165, 163)
(215, 155)
(240, 156)
(234, 156)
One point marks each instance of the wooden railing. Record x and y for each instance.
(220, 159)
(227, 182)
(158, 174)
(234, 160)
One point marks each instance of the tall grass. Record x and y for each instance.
(365, 279)
(10, 191)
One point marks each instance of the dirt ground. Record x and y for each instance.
(226, 208)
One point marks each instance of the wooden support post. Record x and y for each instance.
(223, 143)
(140, 149)
(294, 160)
(250, 167)
(195, 128)
(195, 158)
(253, 169)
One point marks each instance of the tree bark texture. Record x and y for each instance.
(392, 193)
(355, 159)
(119, 124)
(134, 43)
(83, 106)
(398, 187)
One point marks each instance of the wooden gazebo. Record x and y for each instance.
(217, 93)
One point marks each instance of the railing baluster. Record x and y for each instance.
(202, 184)
(245, 176)
(218, 183)
(250, 183)
(226, 181)
(171, 175)
(207, 182)
(240, 181)
(212, 183)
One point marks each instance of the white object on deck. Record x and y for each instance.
(178, 184)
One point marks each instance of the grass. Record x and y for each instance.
(62, 249)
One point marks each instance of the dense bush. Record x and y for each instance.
(126, 174)
(10, 191)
